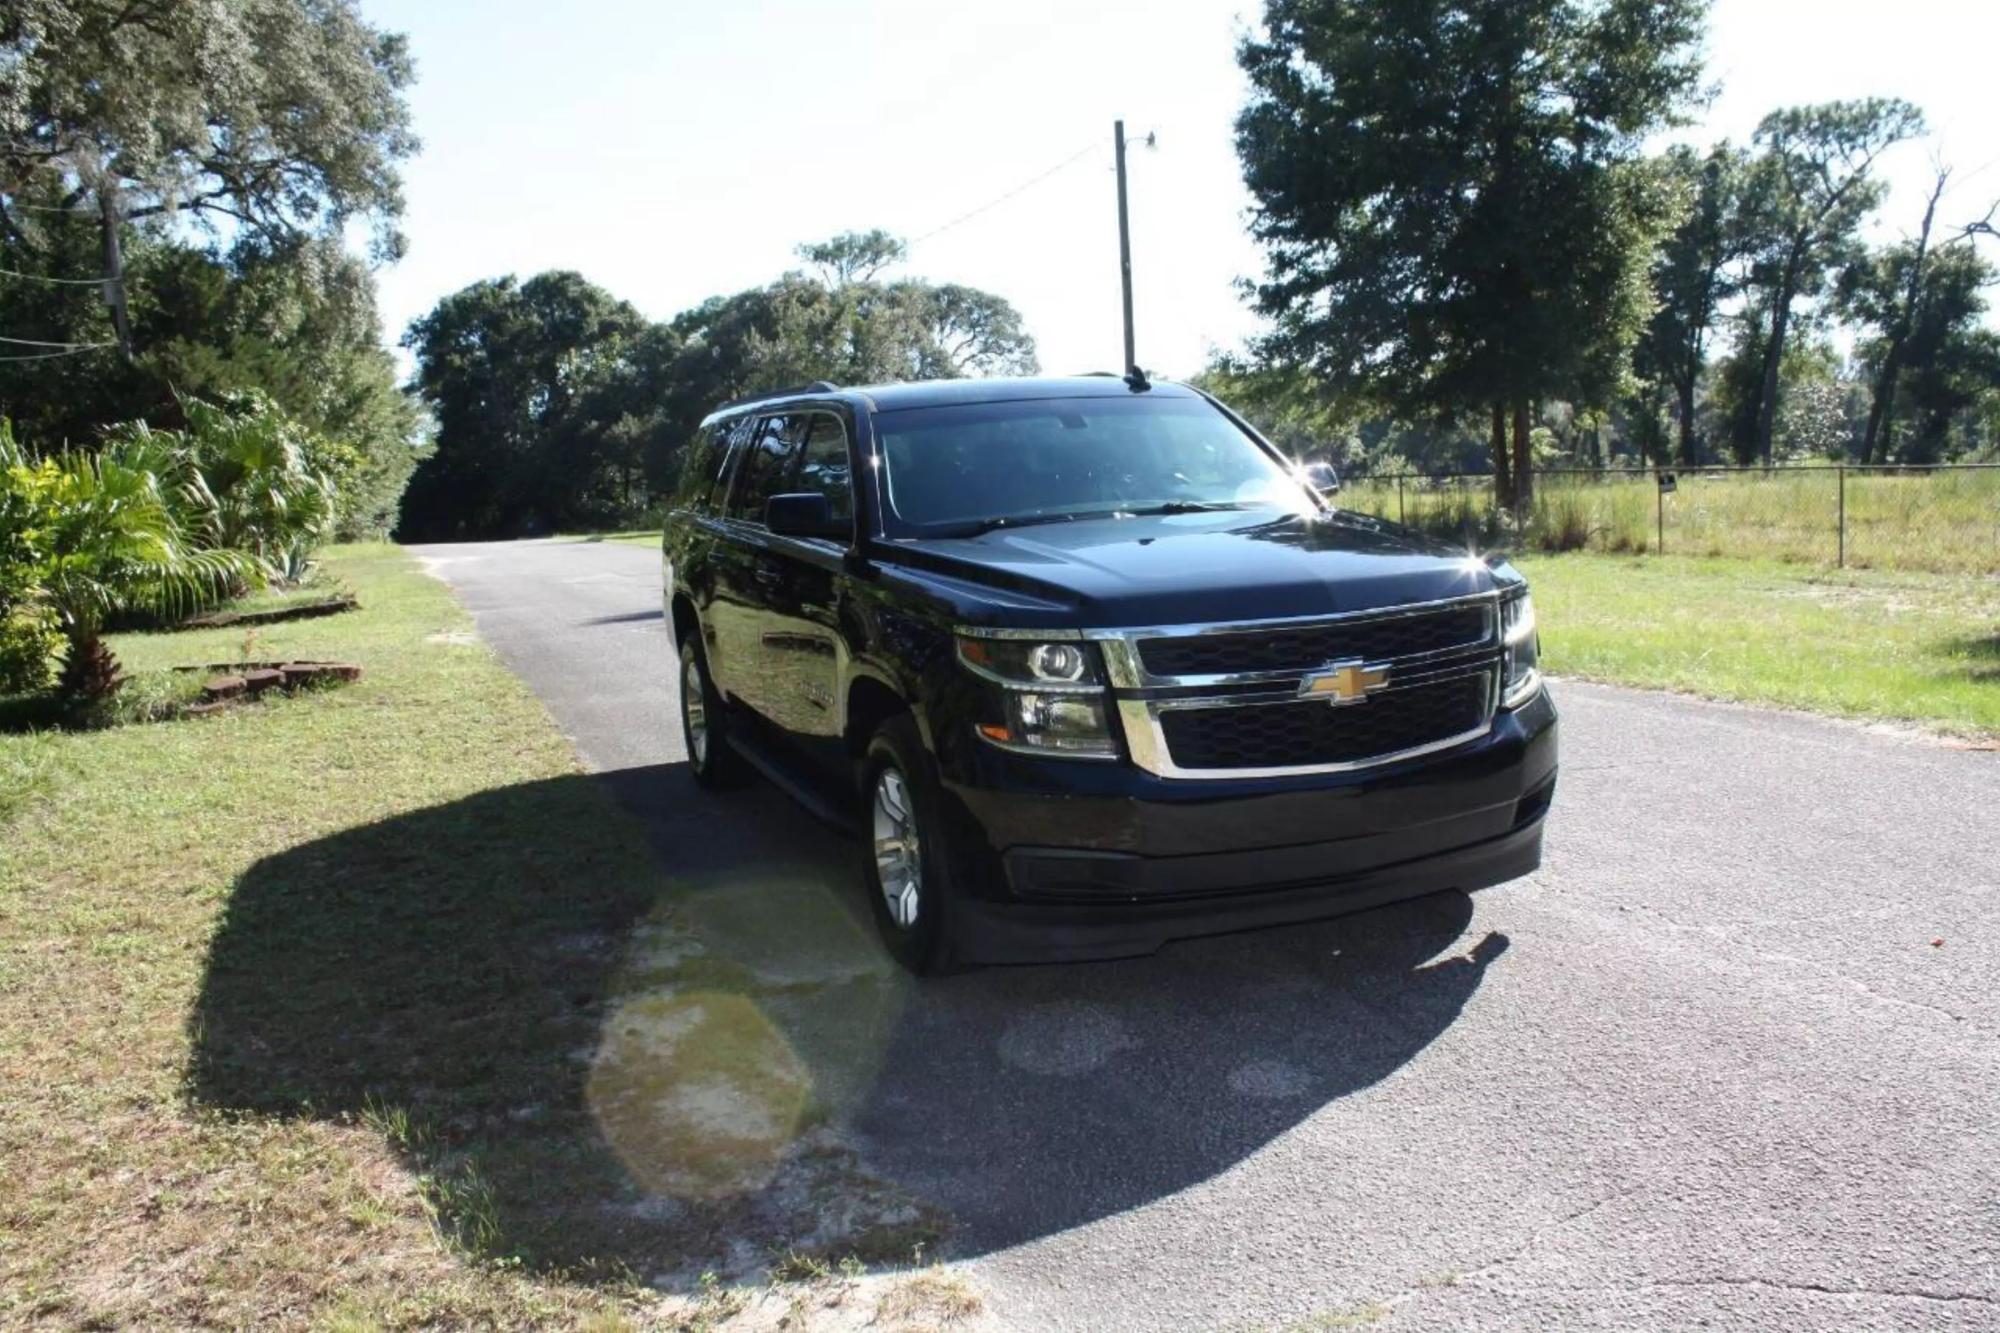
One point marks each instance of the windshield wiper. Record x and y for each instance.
(985, 525)
(1185, 507)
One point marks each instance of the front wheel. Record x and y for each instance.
(714, 764)
(904, 861)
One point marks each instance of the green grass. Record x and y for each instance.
(356, 1009)
(1901, 647)
(1942, 522)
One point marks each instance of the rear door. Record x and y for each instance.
(747, 572)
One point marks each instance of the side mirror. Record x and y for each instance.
(1321, 477)
(806, 514)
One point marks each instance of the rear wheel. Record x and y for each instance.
(904, 860)
(714, 764)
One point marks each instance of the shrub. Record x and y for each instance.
(92, 536)
(29, 643)
(243, 476)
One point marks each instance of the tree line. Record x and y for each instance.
(1475, 261)
(557, 405)
(177, 184)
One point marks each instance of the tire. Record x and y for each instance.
(715, 765)
(902, 802)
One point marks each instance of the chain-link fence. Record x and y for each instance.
(1944, 518)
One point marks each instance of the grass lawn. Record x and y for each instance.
(1944, 521)
(1903, 647)
(303, 1009)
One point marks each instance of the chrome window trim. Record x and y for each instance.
(1127, 671)
(1146, 738)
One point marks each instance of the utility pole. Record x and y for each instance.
(1125, 248)
(114, 269)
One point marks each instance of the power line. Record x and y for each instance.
(39, 342)
(49, 356)
(52, 208)
(67, 282)
(997, 200)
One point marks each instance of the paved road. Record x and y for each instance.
(1707, 1068)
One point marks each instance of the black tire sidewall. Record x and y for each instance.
(922, 948)
(712, 769)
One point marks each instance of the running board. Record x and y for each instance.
(815, 802)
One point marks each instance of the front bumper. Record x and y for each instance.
(1077, 860)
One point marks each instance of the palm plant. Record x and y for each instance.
(255, 480)
(107, 536)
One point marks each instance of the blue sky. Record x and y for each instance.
(674, 151)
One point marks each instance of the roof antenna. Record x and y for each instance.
(1136, 380)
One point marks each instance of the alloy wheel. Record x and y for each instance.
(898, 860)
(694, 709)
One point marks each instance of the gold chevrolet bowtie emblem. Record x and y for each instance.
(1344, 682)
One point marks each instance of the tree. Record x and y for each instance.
(1950, 359)
(293, 319)
(272, 126)
(521, 379)
(962, 331)
(1921, 299)
(1456, 216)
(853, 256)
(556, 403)
(285, 117)
(1692, 278)
(1287, 407)
(1805, 197)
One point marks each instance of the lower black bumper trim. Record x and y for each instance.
(991, 931)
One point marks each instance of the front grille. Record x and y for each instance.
(1305, 647)
(1296, 734)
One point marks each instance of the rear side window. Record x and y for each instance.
(699, 466)
(765, 467)
(732, 436)
(823, 465)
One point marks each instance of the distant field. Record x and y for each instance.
(1941, 522)
(1889, 646)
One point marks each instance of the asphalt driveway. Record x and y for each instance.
(1728, 1060)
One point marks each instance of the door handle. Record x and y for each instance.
(767, 574)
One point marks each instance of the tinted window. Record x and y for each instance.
(1074, 457)
(699, 465)
(766, 464)
(823, 466)
(735, 436)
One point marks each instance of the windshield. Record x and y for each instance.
(978, 465)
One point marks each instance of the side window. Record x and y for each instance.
(699, 462)
(767, 461)
(824, 467)
(735, 437)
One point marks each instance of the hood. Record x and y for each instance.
(1180, 569)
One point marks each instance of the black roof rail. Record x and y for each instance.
(817, 386)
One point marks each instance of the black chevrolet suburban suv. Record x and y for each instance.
(1088, 665)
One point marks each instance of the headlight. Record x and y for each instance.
(1523, 651)
(1048, 696)
(1026, 662)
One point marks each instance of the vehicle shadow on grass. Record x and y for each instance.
(1981, 653)
(614, 1057)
